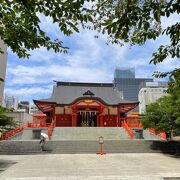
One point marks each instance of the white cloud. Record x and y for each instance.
(88, 60)
(39, 75)
(167, 65)
(28, 91)
(92, 61)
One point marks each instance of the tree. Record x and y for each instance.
(4, 120)
(136, 21)
(174, 85)
(165, 113)
(133, 21)
(161, 115)
(20, 26)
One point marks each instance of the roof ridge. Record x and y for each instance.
(61, 83)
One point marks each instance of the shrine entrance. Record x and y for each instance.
(87, 113)
(87, 118)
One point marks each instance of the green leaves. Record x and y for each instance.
(165, 113)
(20, 24)
(164, 51)
(162, 115)
(136, 21)
(133, 21)
(4, 120)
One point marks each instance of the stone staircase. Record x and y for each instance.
(28, 134)
(148, 136)
(88, 146)
(88, 133)
(91, 146)
(69, 140)
(20, 147)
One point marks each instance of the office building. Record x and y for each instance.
(124, 72)
(3, 64)
(129, 84)
(11, 102)
(150, 94)
(24, 106)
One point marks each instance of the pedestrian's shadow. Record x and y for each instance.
(5, 164)
(46, 150)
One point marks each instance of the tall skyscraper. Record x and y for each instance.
(124, 72)
(11, 102)
(126, 82)
(3, 64)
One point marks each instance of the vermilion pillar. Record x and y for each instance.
(101, 120)
(118, 118)
(53, 115)
(74, 119)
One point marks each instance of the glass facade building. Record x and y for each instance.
(130, 87)
(123, 72)
(128, 84)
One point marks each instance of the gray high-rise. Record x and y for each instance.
(126, 82)
(124, 72)
(3, 64)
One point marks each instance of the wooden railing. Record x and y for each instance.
(138, 126)
(50, 128)
(37, 125)
(161, 134)
(11, 133)
(128, 129)
(134, 121)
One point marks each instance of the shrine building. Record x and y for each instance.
(85, 104)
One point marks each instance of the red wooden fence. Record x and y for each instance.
(10, 133)
(161, 134)
(37, 125)
(128, 129)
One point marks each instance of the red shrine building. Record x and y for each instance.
(85, 104)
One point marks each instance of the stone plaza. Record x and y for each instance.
(121, 166)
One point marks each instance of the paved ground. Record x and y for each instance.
(89, 167)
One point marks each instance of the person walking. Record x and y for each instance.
(42, 143)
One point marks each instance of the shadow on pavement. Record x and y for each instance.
(167, 147)
(5, 164)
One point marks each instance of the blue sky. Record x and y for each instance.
(88, 60)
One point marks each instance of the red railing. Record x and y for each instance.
(37, 125)
(50, 128)
(128, 129)
(11, 133)
(39, 117)
(161, 134)
(134, 121)
(130, 125)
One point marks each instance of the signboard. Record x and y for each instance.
(101, 140)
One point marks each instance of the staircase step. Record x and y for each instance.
(88, 133)
(138, 177)
(150, 136)
(88, 146)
